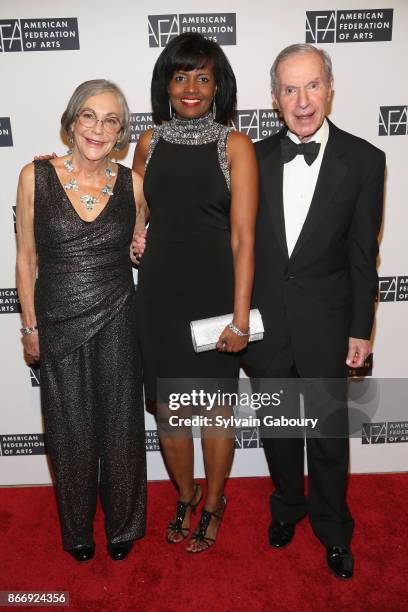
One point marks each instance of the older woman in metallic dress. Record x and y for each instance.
(75, 219)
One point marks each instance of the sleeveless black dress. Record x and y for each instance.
(186, 272)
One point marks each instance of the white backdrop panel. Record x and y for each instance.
(114, 44)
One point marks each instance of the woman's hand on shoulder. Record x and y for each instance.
(46, 156)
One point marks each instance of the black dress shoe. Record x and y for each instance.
(83, 553)
(120, 551)
(281, 534)
(340, 561)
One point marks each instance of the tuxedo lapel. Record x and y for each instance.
(331, 174)
(271, 171)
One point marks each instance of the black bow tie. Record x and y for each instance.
(310, 150)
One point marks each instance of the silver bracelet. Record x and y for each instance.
(26, 331)
(236, 330)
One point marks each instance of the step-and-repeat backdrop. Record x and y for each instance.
(47, 48)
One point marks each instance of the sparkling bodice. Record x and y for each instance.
(84, 269)
(193, 132)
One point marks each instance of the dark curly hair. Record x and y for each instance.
(190, 51)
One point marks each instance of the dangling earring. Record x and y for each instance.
(170, 110)
(214, 110)
(71, 138)
(117, 146)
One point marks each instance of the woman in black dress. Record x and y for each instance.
(77, 215)
(200, 186)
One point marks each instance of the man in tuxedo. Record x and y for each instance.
(321, 192)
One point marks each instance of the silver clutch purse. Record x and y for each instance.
(205, 332)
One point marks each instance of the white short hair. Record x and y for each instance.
(301, 48)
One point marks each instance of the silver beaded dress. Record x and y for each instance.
(91, 387)
(186, 272)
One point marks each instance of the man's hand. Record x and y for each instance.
(358, 352)
(138, 246)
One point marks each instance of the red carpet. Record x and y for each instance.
(240, 573)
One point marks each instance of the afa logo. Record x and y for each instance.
(257, 123)
(220, 27)
(374, 433)
(393, 121)
(39, 34)
(393, 289)
(321, 27)
(6, 136)
(359, 25)
(385, 432)
(247, 437)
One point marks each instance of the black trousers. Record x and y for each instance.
(94, 424)
(327, 453)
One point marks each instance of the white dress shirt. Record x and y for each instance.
(299, 182)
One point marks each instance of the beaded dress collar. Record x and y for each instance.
(195, 132)
(191, 131)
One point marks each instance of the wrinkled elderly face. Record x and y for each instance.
(97, 126)
(302, 93)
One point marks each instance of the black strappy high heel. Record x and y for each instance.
(176, 526)
(201, 531)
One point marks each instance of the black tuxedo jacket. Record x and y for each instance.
(325, 291)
